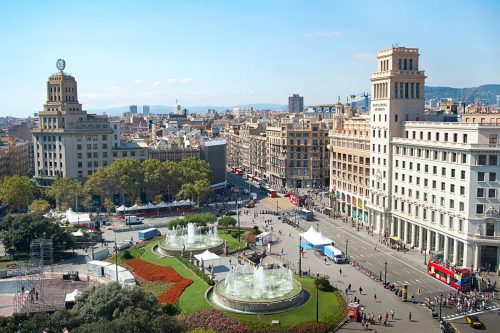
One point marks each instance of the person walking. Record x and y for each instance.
(360, 290)
(375, 298)
(340, 272)
(349, 287)
(409, 316)
(392, 314)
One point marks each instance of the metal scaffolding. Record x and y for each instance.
(35, 280)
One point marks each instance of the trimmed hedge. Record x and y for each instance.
(195, 270)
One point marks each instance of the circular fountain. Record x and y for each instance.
(249, 289)
(190, 240)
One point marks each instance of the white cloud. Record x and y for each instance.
(365, 57)
(178, 80)
(137, 81)
(156, 83)
(324, 34)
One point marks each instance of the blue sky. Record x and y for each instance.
(234, 52)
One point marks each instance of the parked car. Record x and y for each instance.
(250, 205)
(231, 212)
(474, 321)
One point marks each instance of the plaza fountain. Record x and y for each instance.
(190, 240)
(248, 289)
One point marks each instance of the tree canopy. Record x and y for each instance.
(18, 230)
(17, 191)
(65, 191)
(189, 178)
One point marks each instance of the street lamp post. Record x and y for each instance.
(425, 257)
(346, 242)
(317, 297)
(238, 213)
(385, 273)
(440, 303)
(300, 257)
(116, 256)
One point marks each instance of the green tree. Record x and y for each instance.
(227, 221)
(18, 230)
(129, 176)
(103, 183)
(108, 301)
(17, 191)
(202, 190)
(193, 169)
(39, 206)
(66, 192)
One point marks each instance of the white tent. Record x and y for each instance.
(206, 256)
(315, 237)
(71, 297)
(77, 218)
(78, 233)
(122, 208)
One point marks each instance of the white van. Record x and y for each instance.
(335, 254)
(132, 219)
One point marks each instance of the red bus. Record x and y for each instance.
(298, 200)
(272, 193)
(460, 278)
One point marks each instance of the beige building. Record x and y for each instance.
(297, 154)
(69, 142)
(15, 158)
(258, 155)
(350, 167)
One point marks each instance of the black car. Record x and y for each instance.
(231, 212)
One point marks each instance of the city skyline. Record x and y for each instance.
(255, 52)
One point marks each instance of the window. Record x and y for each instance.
(79, 155)
(452, 173)
(79, 147)
(492, 176)
(493, 160)
(465, 138)
(395, 118)
(492, 193)
(480, 176)
(452, 188)
(462, 190)
(461, 206)
(450, 222)
(480, 193)
(89, 155)
(481, 160)
(452, 203)
(462, 174)
(479, 209)
(460, 225)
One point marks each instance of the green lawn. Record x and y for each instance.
(193, 299)
(228, 236)
(328, 305)
(3, 264)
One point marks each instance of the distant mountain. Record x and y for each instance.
(485, 92)
(159, 109)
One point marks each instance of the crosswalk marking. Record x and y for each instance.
(458, 315)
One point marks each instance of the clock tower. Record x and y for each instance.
(397, 96)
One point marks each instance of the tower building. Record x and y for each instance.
(397, 96)
(68, 142)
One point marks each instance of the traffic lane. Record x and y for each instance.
(490, 320)
(374, 255)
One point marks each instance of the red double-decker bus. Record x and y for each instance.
(298, 200)
(459, 278)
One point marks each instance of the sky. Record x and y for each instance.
(234, 52)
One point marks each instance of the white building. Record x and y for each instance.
(434, 185)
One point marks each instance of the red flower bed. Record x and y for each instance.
(151, 272)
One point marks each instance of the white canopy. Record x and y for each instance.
(206, 256)
(78, 233)
(71, 297)
(315, 237)
(77, 218)
(121, 208)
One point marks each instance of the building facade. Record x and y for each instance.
(68, 142)
(15, 158)
(295, 103)
(145, 110)
(350, 168)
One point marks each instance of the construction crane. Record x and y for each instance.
(365, 96)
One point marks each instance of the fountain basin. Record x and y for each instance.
(174, 250)
(291, 300)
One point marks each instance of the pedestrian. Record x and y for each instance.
(360, 290)
(281, 251)
(340, 272)
(375, 249)
(349, 287)
(392, 314)
(409, 316)
(375, 298)
(325, 260)
(36, 295)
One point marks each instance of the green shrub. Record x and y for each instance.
(227, 221)
(168, 309)
(323, 283)
(126, 255)
(196, 270)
